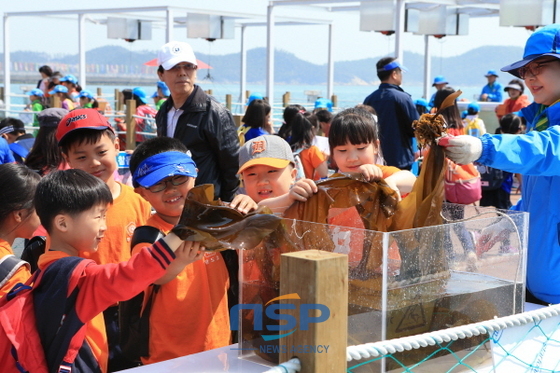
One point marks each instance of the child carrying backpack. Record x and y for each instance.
(17, 219)
(473, 125)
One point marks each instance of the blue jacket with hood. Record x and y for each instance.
(535, 155)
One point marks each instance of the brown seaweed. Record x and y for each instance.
(218, 226)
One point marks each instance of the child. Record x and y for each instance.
(73, 207)
(473, 125)
(535, 156)
(46, 156)
(17, 218)
(354, 142)
(516, 100)
(13, 130)
(36, 97)
(303, 133)
(87, 142)
(146, 112)
(71, 83)
(267, 167)
(87, 100)
(66, 101)
(257, 118)
(192, 299)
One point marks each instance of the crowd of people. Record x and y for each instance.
(63, 184)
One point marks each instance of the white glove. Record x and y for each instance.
(462, 149)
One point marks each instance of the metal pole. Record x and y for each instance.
(169, 28)
(243, 83)
(82, 49)
(399, 29)
(427, 67)
(270, 54)
(330, 68)
(7, 87)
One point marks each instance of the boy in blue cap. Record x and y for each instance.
(161, 94)
(493, 90)
(192, 296)
(535, 155)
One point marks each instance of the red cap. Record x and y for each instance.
(81, 118)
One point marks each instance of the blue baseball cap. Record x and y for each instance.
(86, 93)
(543, 42)
(464, 114)
(154, 169)
(154, 95)
(440, 80)
(69, 78)
(59, 89)
(139, 92)
(164, 90)
(323, 103)
(254, 96)
(422, 102)
(392, 66)
(491, 73)
(35, 92)
(474, 106)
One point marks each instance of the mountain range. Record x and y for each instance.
(464, 70)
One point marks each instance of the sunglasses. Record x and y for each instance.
(533, 68)
(162, 185)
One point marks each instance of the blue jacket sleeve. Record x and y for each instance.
(534, 153)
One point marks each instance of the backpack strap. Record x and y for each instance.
(9, 264)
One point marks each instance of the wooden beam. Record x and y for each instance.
(318, 278)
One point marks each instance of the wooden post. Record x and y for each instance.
(118, 101)
(210, 92)
(99, 92)
(130, 125)
(2, 97)
(318, 278)
(334, 100)
(247, 94)
(228, 101)
(55, 101)
(286, 99)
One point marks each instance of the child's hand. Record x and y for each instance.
(303, 189)
(393, 185)
(243, 203)
(370, 172)
(189, 252)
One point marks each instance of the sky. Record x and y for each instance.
(59, 35)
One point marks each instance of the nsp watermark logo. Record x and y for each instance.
(273, 312)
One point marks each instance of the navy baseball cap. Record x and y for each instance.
(154, 169)
(440, 79)
(543, 42)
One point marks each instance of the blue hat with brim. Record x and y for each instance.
(59, 89)
(474, 105)
(491, 73)
(440, 80)
(154, 169)
(86, 93)
(35, 92)
(254, 96)
(323, 103)
(392, 66)
(423, 102)
(69, 78)
(164, 89)
(139, 92)
(544, 42)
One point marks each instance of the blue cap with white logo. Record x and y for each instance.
(35, 92)
(154, 169)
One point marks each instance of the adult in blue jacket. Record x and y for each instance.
(395, 112)
(493, 90)
(536, 155)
